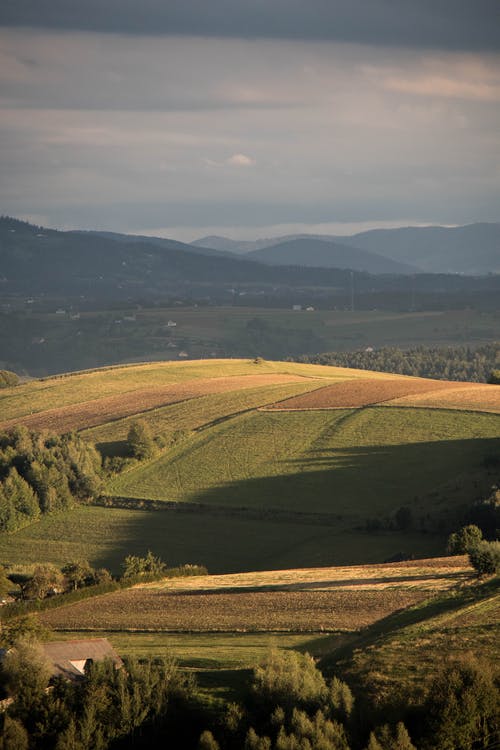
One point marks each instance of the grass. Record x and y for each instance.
(202, 650)
(105, 536)
(402, 652)
(354, 463)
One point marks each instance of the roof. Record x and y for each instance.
(69, 657)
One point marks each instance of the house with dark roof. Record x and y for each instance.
(69, 658)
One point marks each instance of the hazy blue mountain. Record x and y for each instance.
(158, 241)
(471, 249)
(308, 251)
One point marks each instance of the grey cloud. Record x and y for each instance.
(443, 24)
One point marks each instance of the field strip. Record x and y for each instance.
(98, 411)
(356, 393)
(300, 600)
(440, 572)
(477, 397)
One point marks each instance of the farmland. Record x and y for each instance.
(395, 620)
(372, 391)
(322, 599)
(223, 543)
(338, 462)
(96, 339)
(263, 464)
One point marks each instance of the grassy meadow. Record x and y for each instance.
(356, 463)
(392, 623)
(223, 543)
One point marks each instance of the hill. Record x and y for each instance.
(321, 465)
(87, 269)
(470, 249)
(328, 254)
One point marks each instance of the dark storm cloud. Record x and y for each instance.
(443, 24)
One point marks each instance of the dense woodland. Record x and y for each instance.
(473, 364)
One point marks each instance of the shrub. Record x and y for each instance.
(485, 557)
(461, 542)
(288, 678)
(8, 378)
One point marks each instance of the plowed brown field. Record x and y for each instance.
(99, 411)
(364, 392)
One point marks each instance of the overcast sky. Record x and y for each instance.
(249, 117)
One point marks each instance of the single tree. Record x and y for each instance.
(140, 441)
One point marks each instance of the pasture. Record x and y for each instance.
(355, 464)
(222, 542)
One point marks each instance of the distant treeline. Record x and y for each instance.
(43, 473)
(443, 363)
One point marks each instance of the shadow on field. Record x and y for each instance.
(235, 529)
(361, 483)
(447, 604)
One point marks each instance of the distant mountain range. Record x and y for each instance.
(472, 249)
(308, 251)
(111, 267)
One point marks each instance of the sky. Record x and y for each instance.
(249, 118)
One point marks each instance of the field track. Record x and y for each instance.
(327, 599)
(101, 410)
(352, 394)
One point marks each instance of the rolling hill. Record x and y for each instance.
(327, 254)
(314, 462)
(470, 249)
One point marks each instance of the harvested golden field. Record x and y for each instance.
(251, 611)
(437, 573)
(473, 396)
(101, 410)
(364, 392)
(328, 599)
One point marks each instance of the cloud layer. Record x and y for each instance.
(149, 132)
(441, 24)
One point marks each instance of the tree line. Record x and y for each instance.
(464, 363)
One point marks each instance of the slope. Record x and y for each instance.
(471, 249)
(328, 254)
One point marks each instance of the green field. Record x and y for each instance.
(105, 536)
(354, 463)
